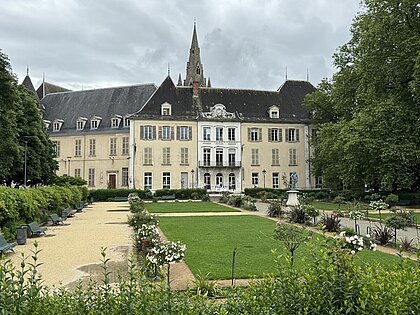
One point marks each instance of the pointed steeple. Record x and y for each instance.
(27, 83)
(208, 83)
(179, 80)
(195, 71)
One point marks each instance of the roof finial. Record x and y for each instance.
(286, 73)
(307, 74)
(27, 70)
(169, 70)
(195, 21)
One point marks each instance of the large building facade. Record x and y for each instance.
(187, 135)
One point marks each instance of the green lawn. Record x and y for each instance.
(211, 240)
(178, 207)
(384, 215)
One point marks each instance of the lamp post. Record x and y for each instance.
(264, 172)
(68, 170)
(26, 158)
(192, 178)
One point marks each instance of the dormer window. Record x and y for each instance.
(166, 109)
(115, 121)
(57, 124)
(126, 122)
(94, 122)
(274, 112)
(47, 124)
(80, 123)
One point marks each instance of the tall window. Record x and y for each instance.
(207, 181)
(94, 124)
(113, 146)
(219, 157)
(219, 134)
(184, 133)
(80, 124)
(254, 134)
(56, 147)
(232, 181)
(166, 180)
(124, 177)
(231, 157)
(184, 156)
(166, 156)
(148, 180)
(115, 122)
(275, 134)
(92, 147)
(56, 126)
(147, 156)
(148, 132)
(91, 177)
(231, 134)
(254, 180)
(165, 133)
(126, 122)
(125, 146)
(77, 172)
(206, 133)
(255, 159)
(318, 181)
(219, 180)
(292, 157)
(275, 156)
(275, 180)
(292, 135)
(206, 156)
(78, 147)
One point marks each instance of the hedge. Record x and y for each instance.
(196, 193)
(22, 206)
(107, 194)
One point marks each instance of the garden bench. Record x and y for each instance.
(56, 219)
(120, 199)
(68, 213)
(168, 197)
(5, 246)
(79, 206)
(35, 229)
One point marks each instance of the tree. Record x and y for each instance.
(369, 127)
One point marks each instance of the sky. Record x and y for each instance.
(83, 44)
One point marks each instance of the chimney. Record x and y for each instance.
(196, 86)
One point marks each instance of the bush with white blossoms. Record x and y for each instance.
(148, 232)
(133, 197)
(357, 243)
(378, 205)
(166, 253)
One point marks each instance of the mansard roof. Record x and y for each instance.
(105, 103)
(248, 105)
(47, 88)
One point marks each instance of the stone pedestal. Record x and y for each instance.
(292, 198)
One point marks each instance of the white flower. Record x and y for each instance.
(353, 252)
(368, 235)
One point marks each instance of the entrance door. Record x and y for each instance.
(112, 181)
(184, 180)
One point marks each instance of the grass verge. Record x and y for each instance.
(185, 207)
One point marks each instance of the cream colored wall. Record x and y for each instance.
(265, 159)
(102, 162)
(157, 146)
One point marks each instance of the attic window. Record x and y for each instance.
(80, 123)
(94, 122)
(126, 122)
(57, 124)
(115, 121)
(274, 112)
(47, 124)
(166, 109)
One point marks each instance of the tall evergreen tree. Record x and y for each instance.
(369, 118)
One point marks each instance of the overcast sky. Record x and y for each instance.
(244, 43)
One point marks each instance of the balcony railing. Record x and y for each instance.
(219, 164)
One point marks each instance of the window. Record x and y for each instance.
(254, 134)
(165, 109)
(219, 157)
(206, 133)
(165, 133)
(313, 134)
(274, 114)
(56, 148)
(78, 147)
(113, 146)
(148, 132)
(115, 122)
(147, 156)
(219, 134)
(318, 181)
(166, 180)
(275, 134)
(125, 146)
(275, 157)
(184, 156)
(91, 177)
(184, 133)
(255, 157)
(57, 125)
(219, 180)
(292, 135)
(254, 180)
(231, 157)
(292, 157)
(80, 124)
(206, 157)
(94, 124)
(232, 181)
(166, 156)
(148, 180)
(231, 134)
(124, 177)
(275, 180)
(77, 172)
(207, 181)
(126, 122)
(92, 147)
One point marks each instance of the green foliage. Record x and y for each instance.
(291, 236)
(297, 214)
(204, 286)
(382, 234)
(106, 194)
(195, 193)
(256, 192)
(68, 181)
(391, 199)
(331, 222)
(275, 209)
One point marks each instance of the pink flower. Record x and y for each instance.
(278, 222)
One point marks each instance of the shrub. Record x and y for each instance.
(205, 198)
(235, 201)
(382, 234)
(406, 244)
(331, 222)
(106, 194)
(391, 199)
(138, 219)
(224, 198)
(204, 286)
(275, 209)
(195, 193)
(347, 231)
(297, 214)
(311, 211)
(137, 206)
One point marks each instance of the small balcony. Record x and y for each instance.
(228, 164)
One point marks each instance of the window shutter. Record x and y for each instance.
(270, 138)
(280, 134)
(154, 133)
(287, 134)
(260, 134)
(142, 132)
(190, 133)
(178, 132)
(172, 133)
(297, 135)
(249, 134)
(160, 133)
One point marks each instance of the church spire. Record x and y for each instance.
(179, 80)
(195, 72)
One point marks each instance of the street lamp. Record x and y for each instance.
(192, 178)
(68, 170)
(264, 172)
(26, 157)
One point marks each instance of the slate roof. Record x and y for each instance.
(249, 105)
(49, 88)
(105, 103)
(27, 83)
